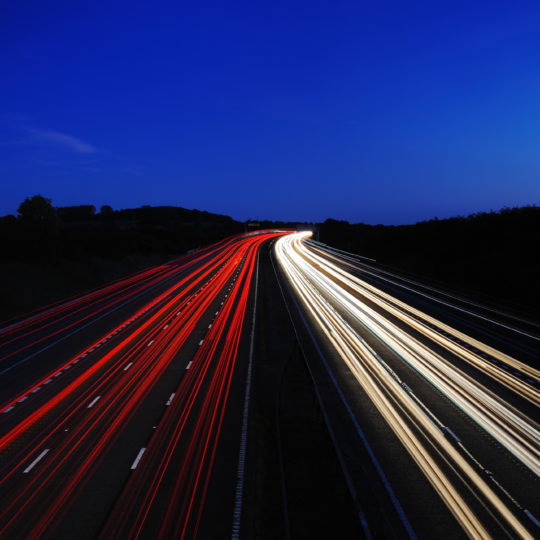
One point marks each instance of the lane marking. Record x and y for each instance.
(531, 517)
(36, 389)
(138, 458)
(382, 476)
(34, 463)
(22, 399)
(170, 399)
(240, 473)
(47, 381)
(201, 342)
(150, 342)
(8, 409)
(189, 365)
(341, 460)
(459, 299)
(165, 327)
(76, 330)
(93, 402)
(128, 366)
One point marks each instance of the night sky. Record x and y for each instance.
(372, 111)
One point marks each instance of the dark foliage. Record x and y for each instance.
(492, 253)
(51, 253)
(46, 234)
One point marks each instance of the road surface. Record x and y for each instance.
(446, 422)
(122, 410)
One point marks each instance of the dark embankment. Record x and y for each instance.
(52, 253)
(493, 256)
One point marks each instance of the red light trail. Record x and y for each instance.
(58, 435)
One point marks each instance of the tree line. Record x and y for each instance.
(44, 233)
(496, 254)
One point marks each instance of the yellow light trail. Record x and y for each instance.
(321, 286)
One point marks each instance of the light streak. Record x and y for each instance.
(123, 378)
(184, 443)
(327, 291)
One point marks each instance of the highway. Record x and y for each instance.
(123, 409)
(439, 395)
(125, 412)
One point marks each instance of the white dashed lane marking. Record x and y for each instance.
(36, 461)
(138, 458)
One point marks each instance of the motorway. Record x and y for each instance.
(430, 396)
(123, 411)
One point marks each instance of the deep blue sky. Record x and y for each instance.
(373, 111)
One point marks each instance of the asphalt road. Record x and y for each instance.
(122, 410)
(126, 412)
(441, 424)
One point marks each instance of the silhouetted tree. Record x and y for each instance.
(106, 211)
(36, 210)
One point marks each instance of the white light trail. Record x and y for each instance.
(329, 294)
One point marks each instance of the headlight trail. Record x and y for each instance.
(516, 375)
(333, 297)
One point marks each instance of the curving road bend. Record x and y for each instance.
(464, 412)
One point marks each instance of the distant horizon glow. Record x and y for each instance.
(381, 114)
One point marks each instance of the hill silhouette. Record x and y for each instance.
(49, 253)
(494, 255)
